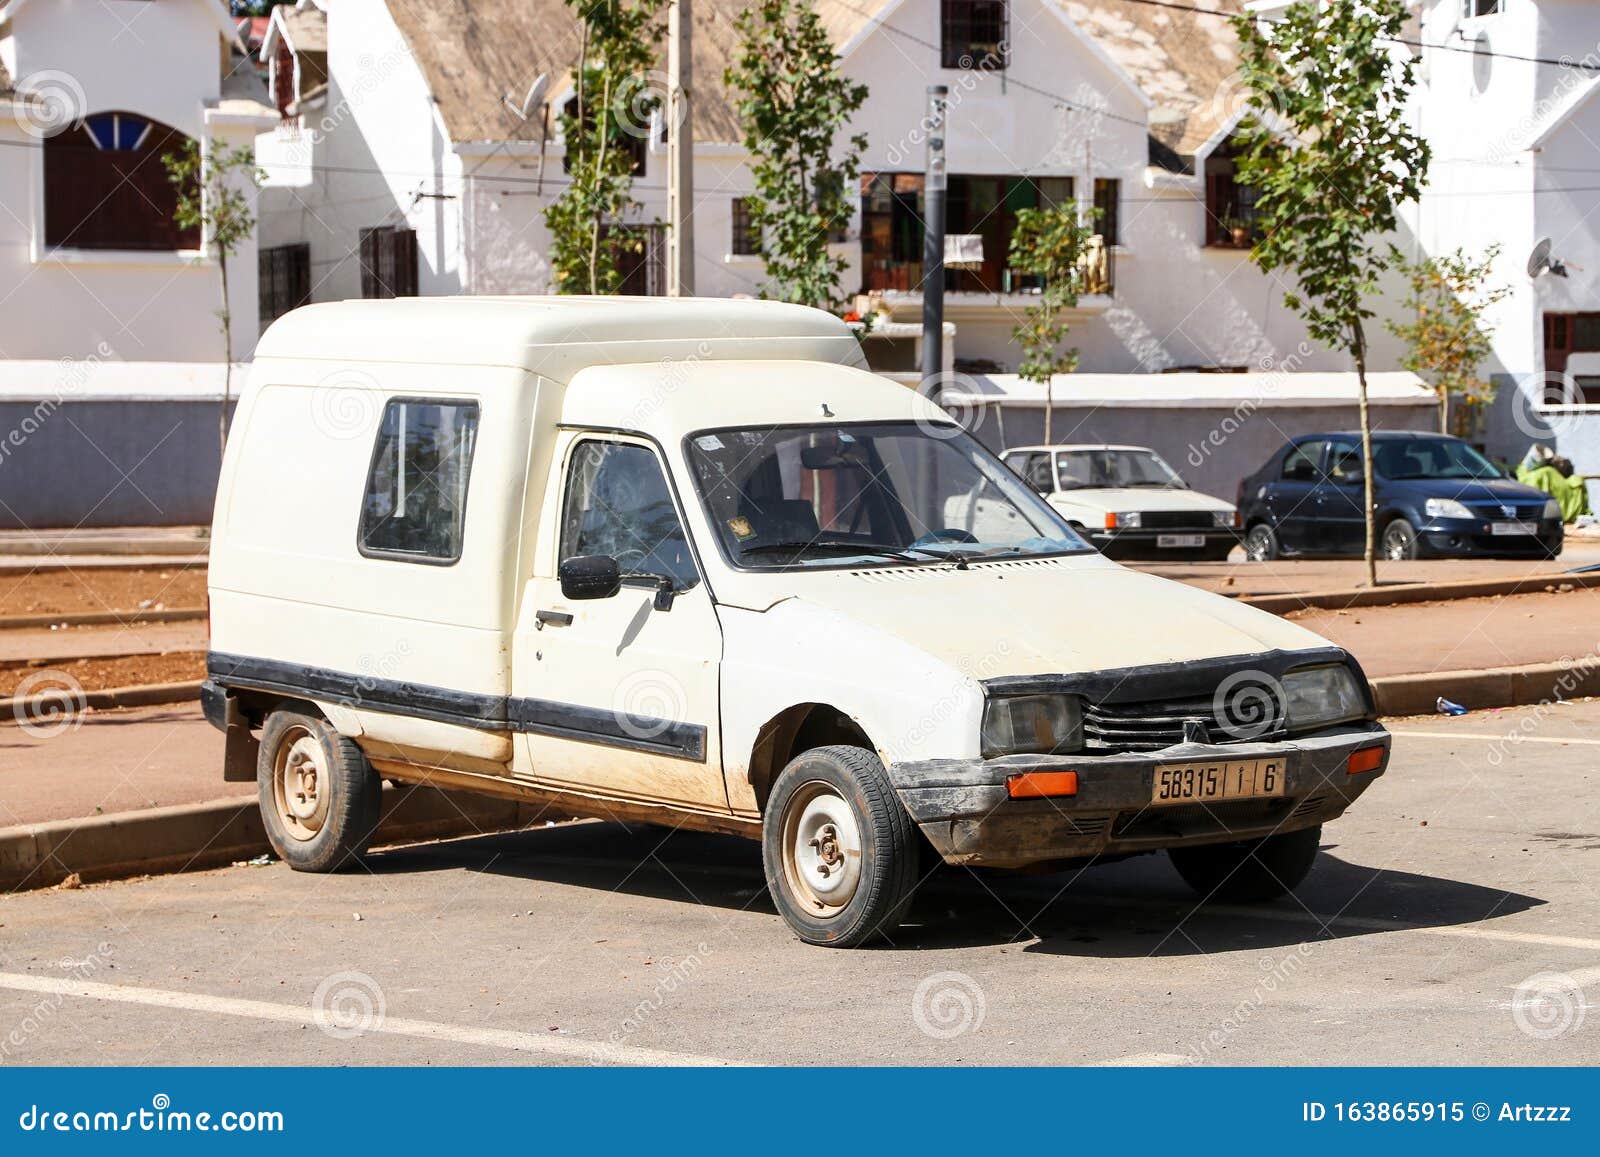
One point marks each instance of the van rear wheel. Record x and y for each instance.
(319, 795)
(1249, 871)
(839, 850)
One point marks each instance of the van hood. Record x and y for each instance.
(1047, 616)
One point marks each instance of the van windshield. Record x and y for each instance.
(867, 494)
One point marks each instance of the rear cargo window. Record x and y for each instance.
(416, 499)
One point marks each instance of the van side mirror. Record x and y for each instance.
(589, 576)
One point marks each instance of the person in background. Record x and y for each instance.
(1554, 475)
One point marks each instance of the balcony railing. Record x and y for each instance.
(1097, 271)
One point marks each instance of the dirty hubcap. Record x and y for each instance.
(300, 784)
(822, 849)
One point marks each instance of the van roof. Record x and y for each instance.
(556, 336)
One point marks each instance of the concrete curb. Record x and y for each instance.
(1415, 593)
(48, 706)
(1495, 687)
(102, 618)
(211, 835)
(175, 545)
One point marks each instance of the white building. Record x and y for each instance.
(414, 155)
(108, 310)
(91, 95)
(1516, 139)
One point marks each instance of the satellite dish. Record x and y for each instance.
(533, 100)
(1540, 261)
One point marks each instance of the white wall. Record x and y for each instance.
(371, 155)
(161, 59)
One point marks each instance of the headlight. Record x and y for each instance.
(1446, 508)
(1317, 696)
(1552, 509)
(1032, 725)
(1225, 518)
(1124, 520)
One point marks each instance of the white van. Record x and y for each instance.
(689, 562)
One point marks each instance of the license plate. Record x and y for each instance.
(1500, 528)
(1179, 541)
(1209, 782)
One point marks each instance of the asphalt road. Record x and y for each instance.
(1454, 918)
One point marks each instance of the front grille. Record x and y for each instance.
(1247, 711)
(1176, 520)
(1520, 511)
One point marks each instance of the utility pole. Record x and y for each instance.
(680, 151)
(934, 187)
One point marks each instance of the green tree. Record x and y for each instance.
(793, 102)
(600, 127)
(1444, 334)
(1331, 165)
(216, 195)
(1049, 244)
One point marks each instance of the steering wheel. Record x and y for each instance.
(948, 534)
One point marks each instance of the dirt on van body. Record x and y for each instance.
(66, 676)
(98, 589)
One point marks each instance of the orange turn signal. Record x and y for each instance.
(1042, 784)
(1367, 759)
(1111, 520)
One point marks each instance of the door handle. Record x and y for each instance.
(543, 619)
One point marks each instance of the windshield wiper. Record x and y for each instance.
(798, 545)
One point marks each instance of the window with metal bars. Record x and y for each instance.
(1107, 198)
(389, 262)
(746, 237)
(974, 34)
(284, 280)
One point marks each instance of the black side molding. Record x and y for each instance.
(461, 708)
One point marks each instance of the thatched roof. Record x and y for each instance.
(473, 53)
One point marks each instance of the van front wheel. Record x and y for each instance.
(319, 795)
(840, 852)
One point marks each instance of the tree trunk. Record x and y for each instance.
(227, 362)
(1444, 409)
(1049, 405)
(1359, 344)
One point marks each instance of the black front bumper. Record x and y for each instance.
(962, 805)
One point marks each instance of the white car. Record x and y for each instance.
(688, 562)
(1128, 501)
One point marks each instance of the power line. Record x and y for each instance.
(1196, 10)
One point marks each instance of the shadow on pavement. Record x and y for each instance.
(1129, 909)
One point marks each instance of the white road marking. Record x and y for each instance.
(577, 1051)
(1148, 1061)
(1511, 737)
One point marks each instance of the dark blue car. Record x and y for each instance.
(1435, 497)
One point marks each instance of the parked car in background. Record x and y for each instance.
(1435, 497)
(1128, 502)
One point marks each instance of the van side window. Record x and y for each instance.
(618, 505)
(416, 499)
(1300, 465)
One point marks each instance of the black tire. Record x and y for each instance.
(817, 782)
(330, 828)
(1250, 871)
(1261, 544)
(1399, 541)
